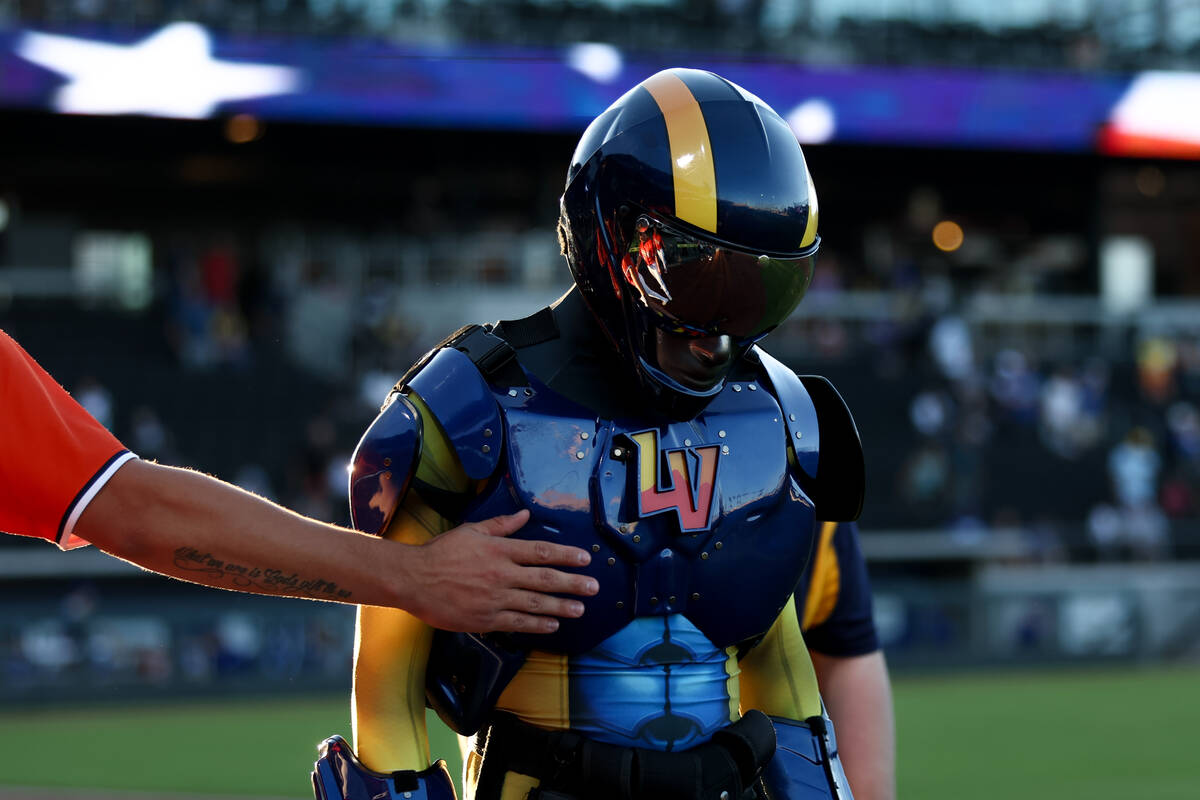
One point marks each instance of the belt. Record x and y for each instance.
(570, 766)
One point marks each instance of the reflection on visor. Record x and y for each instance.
(694, 287)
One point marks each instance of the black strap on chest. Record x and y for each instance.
(493, 349)
(495, 358)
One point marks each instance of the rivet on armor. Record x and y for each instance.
(529, 392)
(387, 462)
(671, 599)
(584, 435)
(792, 417)
(737, 387)
(695, 595)
(487, 433)
(512, 392)
(620, 604)
(718, 545)
(799, 434)
(721, 434)
(687, 442)
(653, 601)
(624, 529)
(487, 448)
(611, 561)
(636, 538)
(595, 548)
(725, 449)
(618, 452)
(752, 387)
(580, 455)
(704, 556)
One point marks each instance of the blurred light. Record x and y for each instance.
(1159, 115)
(813, 121)
(3, 214)
(947, 236)
(1126, 273)
(171, 74)
(242, 128)
(113, 265)
(1150, 181)
(600, 62)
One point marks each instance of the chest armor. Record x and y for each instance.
(703, 518)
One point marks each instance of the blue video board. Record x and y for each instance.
(182, 70)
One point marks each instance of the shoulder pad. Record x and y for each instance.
(459, 396)
(799, 412)
(383, 465)
(825, 439)
(841, 486)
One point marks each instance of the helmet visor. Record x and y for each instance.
(699, 287)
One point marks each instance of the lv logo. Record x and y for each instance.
(688, 488)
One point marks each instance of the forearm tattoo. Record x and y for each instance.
(262, 579)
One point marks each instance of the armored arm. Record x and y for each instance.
(407, 477)
(416, 470)
(392, 646)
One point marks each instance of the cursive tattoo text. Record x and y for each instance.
(264, 579)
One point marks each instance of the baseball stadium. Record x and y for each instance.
(403, 266)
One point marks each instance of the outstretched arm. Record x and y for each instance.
(199, 529)
(54, 457)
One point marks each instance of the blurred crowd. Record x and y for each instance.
(91, 639)
(1086, 35)
(1083, 436)
(1090, 446)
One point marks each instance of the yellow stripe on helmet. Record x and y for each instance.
(691, 151)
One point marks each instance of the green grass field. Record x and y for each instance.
(1105, 734)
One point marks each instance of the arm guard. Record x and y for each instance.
(386, 458)
(339, 775)
(383, 465)
(806, 765)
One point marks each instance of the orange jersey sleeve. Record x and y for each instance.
(54, 456)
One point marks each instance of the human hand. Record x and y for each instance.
(472, 578)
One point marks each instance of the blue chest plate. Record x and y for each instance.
(701, 518)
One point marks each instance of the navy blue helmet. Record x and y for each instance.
(689, 211)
